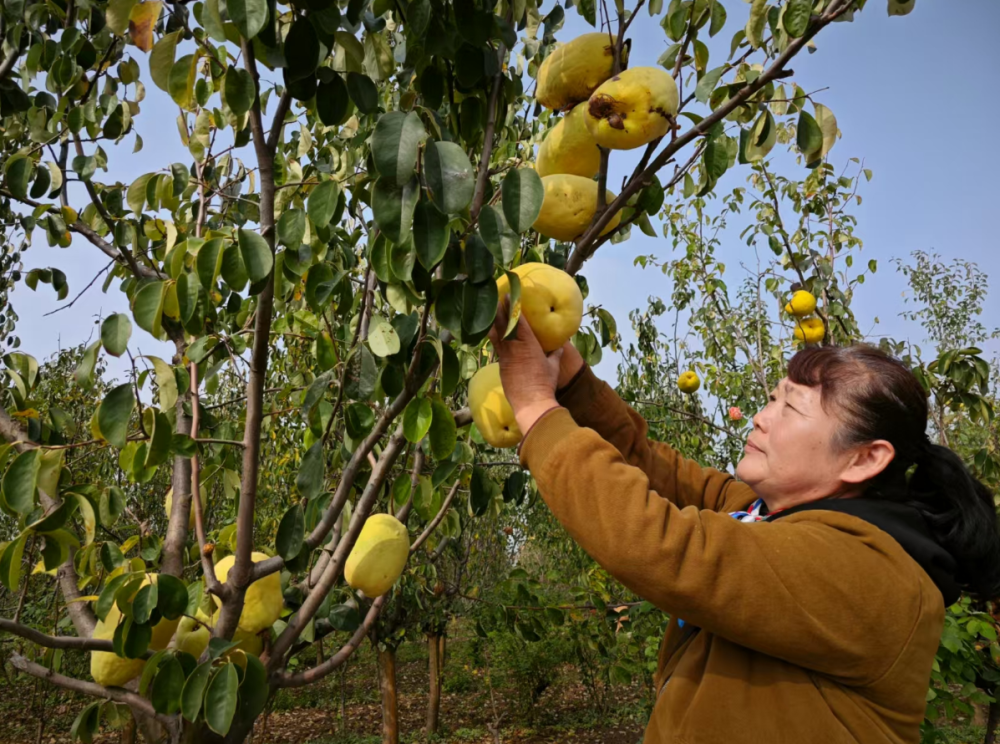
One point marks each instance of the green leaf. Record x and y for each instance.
(395, 144)
(234, 271)
(417, 419)
(761, 138)
(84, 166)
(173, 596)
(180, 83)
(84, 374)
(250, 16)
(21, 481)
(160, 432)
(402, 257)
(115, 333)
(292, 228)
(756, 23)
(450, 177)
(86, 724)
(513, 487)
(443, 431)
(796, 18)
(220, 699)
(479, 307)
(111, 505)
(430, 234)
(309, 481)
(480, 491)
(707, 83)
(113, 414)
(168, 684)
(302, 49)
(209, 263)
(10, 563)
(522, 193)
(362, 374)
(393, 208)
(194, 691)
(478, 260)
(808, 136)
(147, 308)
(136, 194)
(18, 174)
(500, 239)
(718, 17)
(363, 92)
(333, 101)
(291, 533)
(239, 90)
(828, 126)
(165, 381)
(323, 203)
(145, 602)
(254, 689)
(257, 256)
(321, 284)
(359, 419)
(382, 337)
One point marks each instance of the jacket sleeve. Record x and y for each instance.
(594, 404)
(821, 595)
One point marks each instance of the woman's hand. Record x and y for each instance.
(529, 377)
(569, 364)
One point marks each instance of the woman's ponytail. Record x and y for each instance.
(962, 516)
(877, 397)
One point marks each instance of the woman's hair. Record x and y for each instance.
(877, 397)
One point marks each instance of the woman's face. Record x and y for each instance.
(790, 456)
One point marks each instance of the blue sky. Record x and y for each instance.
(913, 97)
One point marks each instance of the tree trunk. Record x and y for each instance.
(128, 731)
(993, 721)
(434, 694)
(387, 684)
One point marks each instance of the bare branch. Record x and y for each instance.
(319, 671)
(207, 563)
(63, 642)
(134, 701)
(429, 530)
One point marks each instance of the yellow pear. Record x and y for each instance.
(491, 410)
(633, 108)
(569, 147)
(574, 70)
(109, 666)
(168, 503)
(801, 304)
(551, 302)
(688, 382)
(568, 207)
(106, 667)
(379, 555)
(263, 601)
(810, 330)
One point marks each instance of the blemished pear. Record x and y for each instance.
(491, 411)
(551, 302)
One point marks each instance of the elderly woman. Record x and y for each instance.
(806, 598)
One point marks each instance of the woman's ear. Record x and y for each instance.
(868, 460)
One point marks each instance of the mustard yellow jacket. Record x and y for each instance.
(818, 628)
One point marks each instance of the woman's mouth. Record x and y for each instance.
(751, 448)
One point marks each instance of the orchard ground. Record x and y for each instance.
(563, 712)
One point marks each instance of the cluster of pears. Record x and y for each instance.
(617, 112)
(808, 330)
(262, 606)
(552, 304)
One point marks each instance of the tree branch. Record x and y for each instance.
(134, 701)
(64, 642)
(429, 530)
(319, 671)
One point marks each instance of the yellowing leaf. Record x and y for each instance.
(141, 20)
(828, 125)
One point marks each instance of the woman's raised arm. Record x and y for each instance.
(594, 404)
